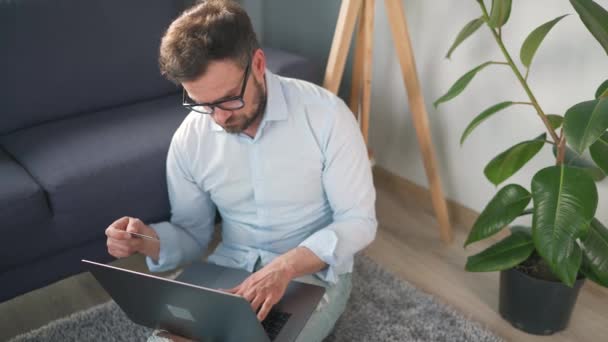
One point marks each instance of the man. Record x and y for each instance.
(281, 159)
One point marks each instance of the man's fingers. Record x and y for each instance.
(173, 338)
(134, 225)
(246, 285)
(120, 243)
(250, 294)
(119, 228)
(257, 302)
(121, 223)
(128, 246)
(117, 246)
(118, 234)
(233, 290)
(117, 253)
(265, 309)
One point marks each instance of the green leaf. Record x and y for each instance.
(602, 90)
(532, 42)
(595, 18)
(522, 229)
(585, 122)
(506, 206)
(528, 211)
(595, 252)
(482, 117)
(460, 84)
(555, 120)
(510, 161)
(465, 33)
(565, 200)
(573, 159)
(586, 270)
(500, 12)
(508, 253)
(599, 152)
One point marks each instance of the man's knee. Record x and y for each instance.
(165, 336)
(330, 308)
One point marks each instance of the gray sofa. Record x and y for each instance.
(85, 125)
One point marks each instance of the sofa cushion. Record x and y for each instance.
(291, 65)
(22, 201)
(78, 56)
(51, 268)
(97, 168)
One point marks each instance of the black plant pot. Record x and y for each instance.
(536, 306)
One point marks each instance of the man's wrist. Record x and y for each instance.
(300, 261)
(151, 248)
(287, 266)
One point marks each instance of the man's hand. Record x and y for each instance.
(267, 286)
(121, 244)
(174, 338)
(264, 288)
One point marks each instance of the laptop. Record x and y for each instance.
(193, 307)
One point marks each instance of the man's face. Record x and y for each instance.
(224, 79)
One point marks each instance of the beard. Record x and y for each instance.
(233, 125)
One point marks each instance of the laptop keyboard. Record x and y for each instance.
(274, 322)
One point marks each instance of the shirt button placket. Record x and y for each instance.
(257, 180)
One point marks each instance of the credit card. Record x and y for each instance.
(143, 236)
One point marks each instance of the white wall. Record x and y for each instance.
(568, 68)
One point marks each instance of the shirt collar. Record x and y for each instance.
(276, 107)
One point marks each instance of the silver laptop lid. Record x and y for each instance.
(188, 310)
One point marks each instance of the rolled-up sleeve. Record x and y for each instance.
(186, 236)
(348, 184)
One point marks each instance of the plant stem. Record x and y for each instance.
(524, 103)
(521, 79)
(561, 148)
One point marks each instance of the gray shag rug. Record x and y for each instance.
(381, 308)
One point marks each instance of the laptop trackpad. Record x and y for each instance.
(212, 276)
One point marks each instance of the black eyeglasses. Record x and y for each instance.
(231, 103)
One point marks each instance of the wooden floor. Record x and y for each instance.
(407, 244)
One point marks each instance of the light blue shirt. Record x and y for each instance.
(303, 180)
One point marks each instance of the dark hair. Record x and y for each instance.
(209, 31)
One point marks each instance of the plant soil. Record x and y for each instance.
(537, 268)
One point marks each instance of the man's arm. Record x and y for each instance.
(182, 239)
(188, 233)
(348, 184)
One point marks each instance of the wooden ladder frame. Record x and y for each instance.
(362, 11)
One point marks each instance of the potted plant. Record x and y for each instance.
(544, 265)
